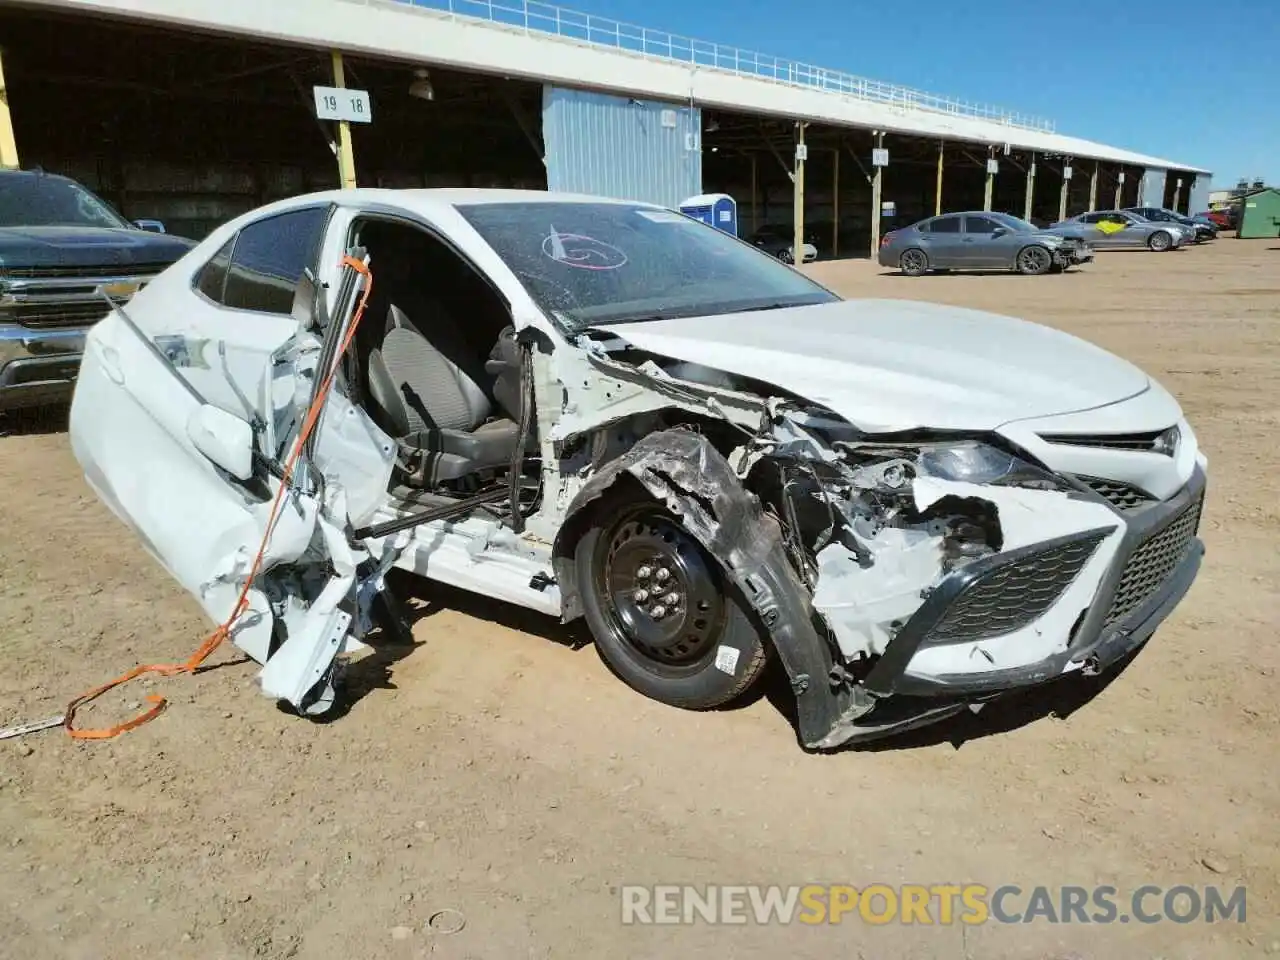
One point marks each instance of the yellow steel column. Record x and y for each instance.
(797, 243)
(835, 205)
(8, 143)
(937, 195)
(346, 155)
(1062, 196)
(991, 179)
(876, 183)
(1093, 187)
(1031, 187)
(755, 202)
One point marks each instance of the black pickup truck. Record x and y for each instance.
(62, 250)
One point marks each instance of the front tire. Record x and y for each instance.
(1160, 241)
(913, 262)
(664, 617)
(1034, 260)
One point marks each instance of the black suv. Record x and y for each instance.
(62, 250)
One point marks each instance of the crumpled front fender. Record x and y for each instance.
(685, 473)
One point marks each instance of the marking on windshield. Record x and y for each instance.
(582, 252)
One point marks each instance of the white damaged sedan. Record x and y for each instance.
(608, 410)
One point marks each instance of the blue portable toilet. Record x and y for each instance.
(718, 210)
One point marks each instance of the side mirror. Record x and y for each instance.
(224, 438)
(999, 231)
(151, 226)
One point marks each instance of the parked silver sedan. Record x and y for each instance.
(979, 240)
(1121, 229)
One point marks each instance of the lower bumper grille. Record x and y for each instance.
(39, 316)
(1155, 560)
(1125, 497)
(1010, 596)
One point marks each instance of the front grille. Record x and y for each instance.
(1151, 565)
(1125, 497)
(1012, 595)
(89, 273)
(74, 313)
(1148, 441)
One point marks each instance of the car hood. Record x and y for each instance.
(87, 247)
(888, 365)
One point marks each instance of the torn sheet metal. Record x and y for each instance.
(864, 605)
(320, 632)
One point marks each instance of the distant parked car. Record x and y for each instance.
(778, 239)
(1117, 230)
(1227, 218)
(1203, 231)
(979, 241)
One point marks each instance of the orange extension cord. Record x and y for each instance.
(215, 639)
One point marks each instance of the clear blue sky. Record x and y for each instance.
(1191, 81)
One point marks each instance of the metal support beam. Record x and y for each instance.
(1119, 189)
(856, 159)
(346, 154)
(835, 203)
(1062, 195)
(1177, 193)
(937, 195)
(876, 184)
(755, 197)
(8, 143)
(797, 247)
(772, 148)
(528, 126)
(1031, 188)
(1093, 187)
(991, 180)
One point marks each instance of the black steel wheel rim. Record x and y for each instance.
(660, 596)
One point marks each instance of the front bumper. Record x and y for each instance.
(38, 367)
(1081, 253)
(1130, 603)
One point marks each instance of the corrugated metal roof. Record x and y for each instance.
(513, 45)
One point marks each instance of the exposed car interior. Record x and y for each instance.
(436, 365)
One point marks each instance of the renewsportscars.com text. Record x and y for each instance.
(941, 904)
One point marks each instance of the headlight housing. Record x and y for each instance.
(972, 461)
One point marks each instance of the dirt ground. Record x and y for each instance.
(497, 769)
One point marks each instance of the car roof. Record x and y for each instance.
(430, 201)
(33, 175)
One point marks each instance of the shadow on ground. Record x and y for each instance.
(423, 599)
(35, 421)
(1057, 699)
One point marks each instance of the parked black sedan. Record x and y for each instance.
(1205, 230)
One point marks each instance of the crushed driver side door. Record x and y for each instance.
(244, 335)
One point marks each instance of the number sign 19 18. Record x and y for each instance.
(338, 103)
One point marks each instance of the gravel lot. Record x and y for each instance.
(497, 769)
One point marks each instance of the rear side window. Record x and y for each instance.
(979, 225)
(946, 225)
(212, 279)
(259, 268)
(1091, 218)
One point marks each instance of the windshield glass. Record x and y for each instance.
(1015, 223)
(36, 201)
(591, 263)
